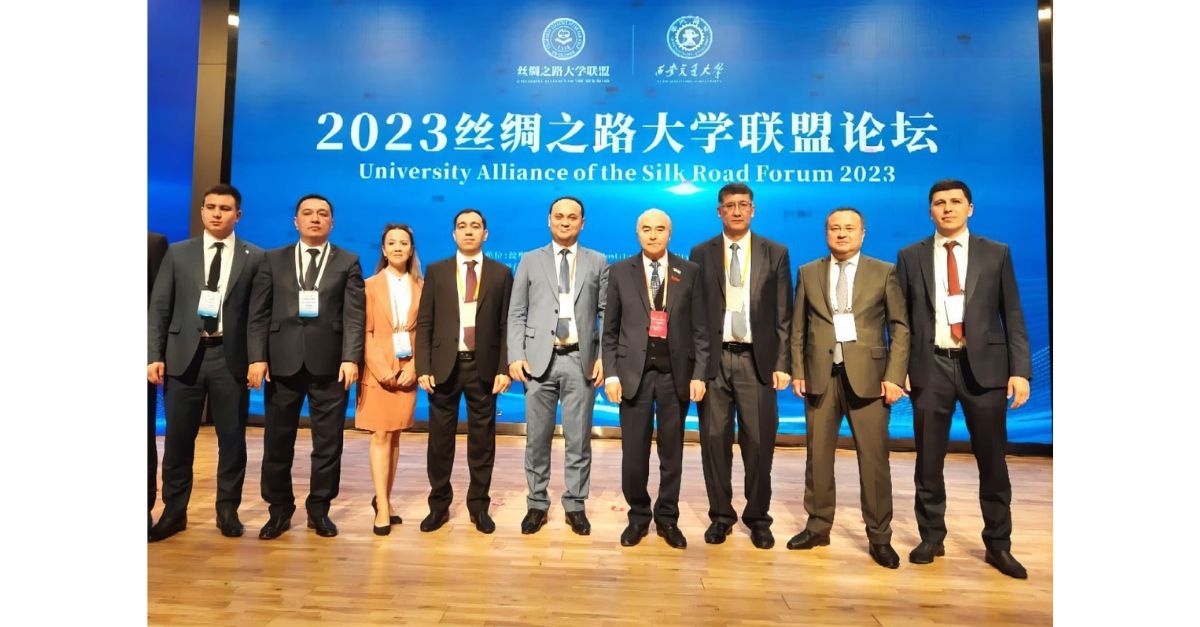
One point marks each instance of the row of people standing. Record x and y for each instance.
(843, 343)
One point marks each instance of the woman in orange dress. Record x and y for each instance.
(387, 390)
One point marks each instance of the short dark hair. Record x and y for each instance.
(313, 197)
(470, 210)
(734, 188)
(856, 212)
(946, 185)
(570, 198)
(414, 265)
(224, 189)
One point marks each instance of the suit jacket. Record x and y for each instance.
(533, 307)
(436, 350)
(627, 322)
(379, 352)
(993, 323)
(174, 325)
(880, 321)
(287, 342)
(770, 295)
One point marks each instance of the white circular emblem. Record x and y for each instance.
(689, 37)
(563, 38)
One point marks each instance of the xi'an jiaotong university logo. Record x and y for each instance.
(689, 37)
(563, 39)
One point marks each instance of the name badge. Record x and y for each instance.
(658, 324)
(210, 303)
(843, 327)
(954, 308)
(735, 298)
(308, 303)
(466, 314)
(566, 306)
(401, 343)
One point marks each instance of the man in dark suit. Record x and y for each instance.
(554, 349)
(461, 349)
(197, 348)
(969, 346)
(748, 308)
(156, 251)
(849, 353)
(655, 352)
(307, 324)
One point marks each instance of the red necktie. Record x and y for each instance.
(469, 297)
(956, 329)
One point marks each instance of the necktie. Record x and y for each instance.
(214, 281)
(656, 285)
(469, 286)
(843, 295)
(310, 275)
(564, 287)
(737, 322)
(956, 329)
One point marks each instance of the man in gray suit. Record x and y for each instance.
(554, 349)
(198, 315)
(849, 353)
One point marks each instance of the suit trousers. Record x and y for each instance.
(563, 380)
(481, 437)
(736, 386)
(656, 401)
(986, 417)
(869, 424)
(206, 377)
(327, 400)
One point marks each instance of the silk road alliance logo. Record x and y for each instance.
(563, 38)
(688, 37)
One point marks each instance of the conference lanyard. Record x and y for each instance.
(320, 264)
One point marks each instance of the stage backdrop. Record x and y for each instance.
(411, 111)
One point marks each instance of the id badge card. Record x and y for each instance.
(658, 324)
(566, 306)
(467, 314)
(308, 303)
(843, 327)
(735, 298)
(210, 303)
(954, 308)
(402, 344)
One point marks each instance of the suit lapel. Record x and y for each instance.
(760, 261)
(201, 271)
(639, 277)
(926, 263)
(974, 252)
(582, 266)
(823, 282)
(716, 264)
(673, 272)
(550, 266)
(864, 282)
(239, 261)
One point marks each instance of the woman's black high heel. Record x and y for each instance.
(395, 520)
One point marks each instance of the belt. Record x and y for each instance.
(466, 355)
(563, 349)
(736, 347)
(211, 340)
(953, 353)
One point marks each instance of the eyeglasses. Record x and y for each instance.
(743, 205)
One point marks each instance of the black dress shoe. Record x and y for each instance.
(634, 533)
(325, 527)
(381, 531)
(762, 538)
(884, 555)
(1004, 562)
(393, 519)
(229, 525)
(806, 540)
(925, 552)
(275, 527)
(717, 532)
(534, 519)
(483, 522)
(672, 535)
(167, 527)
(435, 520)
(579, 523)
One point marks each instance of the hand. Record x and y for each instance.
(500, 385)
(781, 380)
(696, 390)
(406, 377)
(907, 386)
(348, 374)
(598, 373)
(1018, 391)
(798, 387)
(890, 392)
(154, 372)
(256, 374)
(389, 383)
(426, 382)
(518, 370)
(613, 392)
